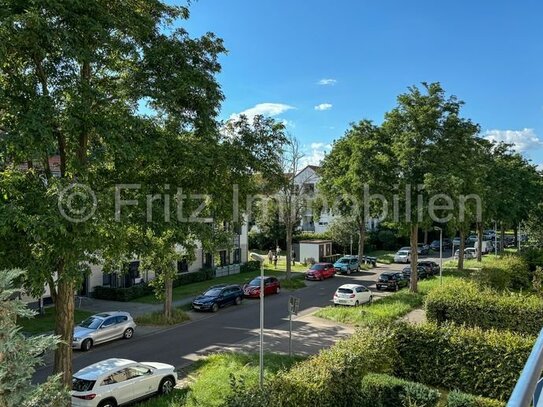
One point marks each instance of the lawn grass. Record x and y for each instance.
(292, 284)
(383, 256)
(473, 263)
(175, 399)
(213, 375)
(41, 324)
(194, 289)
(157, 318)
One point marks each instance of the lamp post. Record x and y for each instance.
(440, 253)
(495, 238)
(260, 259)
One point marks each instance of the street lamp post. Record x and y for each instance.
(440, 253)
(260, 259)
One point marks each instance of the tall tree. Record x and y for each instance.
(72, 80)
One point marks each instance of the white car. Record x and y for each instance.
(469, 253)
(115, 382)
(402, 256)
(352, 294)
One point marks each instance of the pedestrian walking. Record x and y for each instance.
(270, 257)
(293, 258)
(275, 260)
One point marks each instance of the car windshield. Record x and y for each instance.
(82, 384)
(213, 292)
(343, 261)
(384, 277)
(255, 282)
(402, 253)
(317, 267)
(345, 290)
(91, 323)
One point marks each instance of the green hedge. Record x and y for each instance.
(464, 302)
(194, 277)
(122, 294)
(533, 257)
(472, 360)
(380, 390)
(510, 272)
(250, 266)
(458, 399)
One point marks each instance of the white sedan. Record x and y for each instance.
(114, 382)
(352, 294)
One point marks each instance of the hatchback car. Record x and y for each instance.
(423, 248)
(115, 382)
(347, 265)
(391, 281)
(421, 272)
(352, 294)
(402, 256)
(103, 327)
(218, 296)
(271, 286)
(320, 271)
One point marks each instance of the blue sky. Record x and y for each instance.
(488, 53)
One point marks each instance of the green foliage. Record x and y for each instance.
(466, 303)
(19, 355)
(45, 323)
(121, 294)
(292, 283)
(484, 362)
(509, 272)
(459, 399)
(311, 236)
(250, 267)
(380, 390)
(194, 277)
(533, 257)
(157, 318)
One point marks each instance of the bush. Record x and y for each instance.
(472, 360)
(509, 272)
(122, 294)
(250, 266)
(379, 390)
(533, 257)
(194, 277)
(329, 379)
(464, 302)
(458, 399)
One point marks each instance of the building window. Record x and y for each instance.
(182, 266)
(106, 279)
(208, 260)
(134, 269)
(237, 256)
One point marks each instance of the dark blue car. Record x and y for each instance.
(218, 296)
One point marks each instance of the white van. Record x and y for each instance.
(486, 246)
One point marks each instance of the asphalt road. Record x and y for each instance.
(179, 344)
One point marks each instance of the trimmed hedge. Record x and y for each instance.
(464, 302)
(458, 399)
(510, 272)
(380, 390)
(472, 360)
(122, 294)
(194, 277)
(250, 266)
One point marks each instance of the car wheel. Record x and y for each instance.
(348, 271)
(215, 307)
(166, 385)
(277, 290)
(128, 333)
(371, 300)
(396, 287)
(108, 403)
(356, 304)
(238, 300)
(86, 345)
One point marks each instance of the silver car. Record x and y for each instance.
(103, 327)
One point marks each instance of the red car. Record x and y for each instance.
(320, 271)
(271, 286)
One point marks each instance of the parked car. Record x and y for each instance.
(447, 244)
(271, 286)
(320, 271)
(103, 327)
(352, 294)
(390, 280)
(489, 233)
(402, 256)
(432, 268)
(469, 253)
(456, 241)
(486, 246)
(347, 265)
(471, 239)
(218, 296)
(405, 248)
(421, 272)
(423, 248)
(115, 382)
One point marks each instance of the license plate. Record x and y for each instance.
(196, 306)
(343, 301)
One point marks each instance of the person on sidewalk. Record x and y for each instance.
(270, 256)
(275, 260)
(293, 258)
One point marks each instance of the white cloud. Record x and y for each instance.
(327, 82)
(264, 109)
(323, 106)
(314, 154)
(522, 140)
(540, 167)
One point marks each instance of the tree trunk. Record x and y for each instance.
(479, 241)
(414, 257)
(461, 250)
(64, 327)
(168, 297)
(502, 237)
(361, 238)
(289, 251)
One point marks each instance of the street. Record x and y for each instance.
(178, 345)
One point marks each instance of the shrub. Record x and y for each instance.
(508, 272)
(194, 277)
(250, 266)
(469, 359)
(122, 294)
(533, 257)
(458, 399)
(379, 390)
(464, 302)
